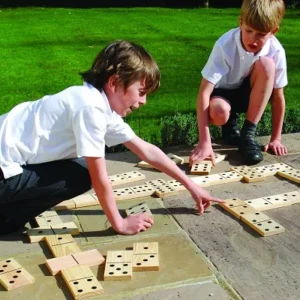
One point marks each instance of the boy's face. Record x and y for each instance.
(253, 40)
(124, 102)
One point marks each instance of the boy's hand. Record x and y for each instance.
(203, 199)
(201, 152)
(276, 147)
(135, 224)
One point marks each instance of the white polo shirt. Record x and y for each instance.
(229, 63)
(75, 122)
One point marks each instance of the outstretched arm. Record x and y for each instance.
(157, 158)
(103, 189)
(278, 110)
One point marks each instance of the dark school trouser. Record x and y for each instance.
(40, 187)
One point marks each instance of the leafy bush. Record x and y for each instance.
(182, 129)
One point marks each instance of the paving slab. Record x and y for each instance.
(255, 266)
(96, 228)
(180, 263)
(204, 291)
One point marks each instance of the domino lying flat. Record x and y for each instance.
(257, 220)
(13, 275)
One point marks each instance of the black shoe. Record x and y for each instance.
(249, 148)
(230, 131)
(251, 151)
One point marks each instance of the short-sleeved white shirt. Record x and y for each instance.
(75, 122)
(229, 63)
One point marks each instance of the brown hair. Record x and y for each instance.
(131, 62)
(262, 15)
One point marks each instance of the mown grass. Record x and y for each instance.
(44, 49)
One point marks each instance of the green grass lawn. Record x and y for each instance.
(43, 49)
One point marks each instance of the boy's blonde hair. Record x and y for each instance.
(262, 15)
(129, 61)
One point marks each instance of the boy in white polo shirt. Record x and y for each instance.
(246, 69)
(53, 149)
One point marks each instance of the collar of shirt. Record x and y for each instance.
(244, 53)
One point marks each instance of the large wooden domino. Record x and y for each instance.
(249, 174)
(118, 265)
(38, 234)
(82, 282)
(13, 275)
(202, 168)
(139, 209)
(291, 174)
(88, 258)
(145, 257)
(62, 245)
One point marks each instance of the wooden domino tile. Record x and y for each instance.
(117, 179)
(262, 224)
(118, 265)
(85, 200)
(126, 177)
(260, 204)
(87, 258)
(268, 228)
(232, 202)
(82, 282)
(145, 257)
(124, 193)
(143, 164)
(280, 166)
(156, 183)
(267, 170)
(62, 245)
(283, 199)
(249, 175)
(65, 228)
(202, 168)
(238, 210)
(176, 185)
(207, 180)
(165, 190)
(48, 213)
(133, 176)
(139, 209)
(13, 275)
(67, 204)
(254, 218)
(48, 221)
(38, 234)
(143, 190)
(218, 157)
(291, 174)
(231, 176)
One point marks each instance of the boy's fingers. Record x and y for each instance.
(266, 147)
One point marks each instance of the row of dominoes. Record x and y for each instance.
(162, 187)
(257, 220)
(90, 199)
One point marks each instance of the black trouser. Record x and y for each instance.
(41, 186)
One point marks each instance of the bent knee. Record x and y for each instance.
(264, 66)
(219, 111)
